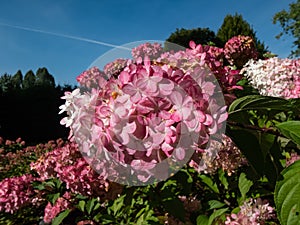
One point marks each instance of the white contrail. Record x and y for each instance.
(64, 35)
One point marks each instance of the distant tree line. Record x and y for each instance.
(29, 106)
(233, 25)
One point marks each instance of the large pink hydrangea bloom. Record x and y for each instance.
(148, 121)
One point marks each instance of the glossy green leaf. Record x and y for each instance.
(53, 197)
(202, 220)
(223, 179)
(290, 129)
(240, 108)
(215, 215)
(59, 219)
(260, 102)
(244, 185)
(250, 147)
(89, 205)
(287, 195)
(81, 205)
(210, 183)
(215, 204)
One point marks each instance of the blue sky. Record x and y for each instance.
(116, 22)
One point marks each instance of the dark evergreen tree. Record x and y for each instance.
(17, 80)
(290, 23)
(182, 37)
(29, 80)
(44, 78)
(6, 83)
(234, 25)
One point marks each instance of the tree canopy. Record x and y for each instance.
(290, 23)
(29, 106)
(183, 36)
(234, 25)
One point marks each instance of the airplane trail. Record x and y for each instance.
(63, 35)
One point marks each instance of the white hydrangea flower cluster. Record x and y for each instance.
(274, 77)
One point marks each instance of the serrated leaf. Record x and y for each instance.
(287, 195)
(117, 205)
(89, 205)
(244, 185)
(223, 179)
(290, 129)
(59, 219)
(210, 183)
(202, 220)
(215, 204)
(215, 215)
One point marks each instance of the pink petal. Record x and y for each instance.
(166, 87)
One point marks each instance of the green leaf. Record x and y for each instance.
(81, 205)
(270, 106)
(89, 205)
(202, 220)
(290, 129)
(244, 185)
(117, 205)
(260, 102)
(287, 195)
(250, 147)
(59, 219)
(215, 215)
(210, 183)
(273, 165)
(223, 179)
(53, 197)
(215, 204)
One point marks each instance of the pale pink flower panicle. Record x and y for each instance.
(152, 50)
(252, 212)
(61, 204)
(275, 77)
(115, 67)
(16, 192)
(67, 164)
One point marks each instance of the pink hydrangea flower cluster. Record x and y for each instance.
(253, 212)
(213, 57)
(90, 78)
(67, 164)
(17, 157)
(154, 112)
(222, 154)
(61, 204)
(16, 192)
(239, 49)
(275, 77)
(115, 67)
(147, 49)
